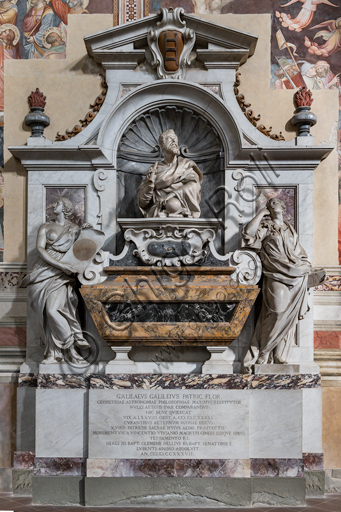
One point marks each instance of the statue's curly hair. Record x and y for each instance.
(68, 207)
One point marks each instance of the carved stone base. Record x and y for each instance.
(291, 368)
(65, 368)
(170, 241)
(122, 363)
(217, 364)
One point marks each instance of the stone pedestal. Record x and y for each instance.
(217, 364)
(121, 363)
(284, 369)
(253, 439)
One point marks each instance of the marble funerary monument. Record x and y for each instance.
(151, 378)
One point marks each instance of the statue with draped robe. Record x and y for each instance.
(172, 188)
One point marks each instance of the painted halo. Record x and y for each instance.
(55, 30)
(85, 4)
(9, 26)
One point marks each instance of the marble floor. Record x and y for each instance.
(330, 503)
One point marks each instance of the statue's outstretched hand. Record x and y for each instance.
(151, 175)
(87, 225)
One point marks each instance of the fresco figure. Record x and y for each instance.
(304, 17)
(8, 12)
(37, 20)
(9, 37)
(61, 9)
(309, 75)
(325, 77)
(285, 279)
(51, 288)
(332, 36)
(289, 68)
(78, 6)
(55, 43)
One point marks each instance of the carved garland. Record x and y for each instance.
(250, 115)
(90, 116)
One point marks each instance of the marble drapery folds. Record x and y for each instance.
(285, 277)
(59, 324)
(181, 180)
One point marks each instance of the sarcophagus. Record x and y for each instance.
(156, 306)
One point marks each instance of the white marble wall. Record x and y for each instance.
(61, 423)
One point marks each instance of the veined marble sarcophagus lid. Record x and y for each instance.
(156, 306)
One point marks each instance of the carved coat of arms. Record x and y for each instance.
(171, 44)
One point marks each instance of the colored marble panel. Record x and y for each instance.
(13, 336)
(75, 194)
(62, 381)
(28, 380)
(59, 466)
(287, 195)
(178, 468)
(7, 419)
(331, 427)
(313, 461)
(148, 285)
(23, 460)
(120, 381)
(10, 280)
(198, 381)
(327, 339)
(332, 283)
(284, 381)
(277, 467)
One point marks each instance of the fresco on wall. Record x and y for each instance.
(305, 43)
(305, 39)
(1, 192)
(37, 29)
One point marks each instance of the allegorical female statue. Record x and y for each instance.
(285, 278)
(171, 187)
(51, 289)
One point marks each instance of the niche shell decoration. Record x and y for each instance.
(198, 140)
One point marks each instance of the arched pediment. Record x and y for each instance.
(181, 95)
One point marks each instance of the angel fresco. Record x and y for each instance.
(332, 36)
(304, 17)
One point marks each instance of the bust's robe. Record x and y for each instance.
(183, 178)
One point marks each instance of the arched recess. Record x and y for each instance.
(139, 149)
(164, 93)
(203, 123)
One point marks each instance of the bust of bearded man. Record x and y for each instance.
(171, 188)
